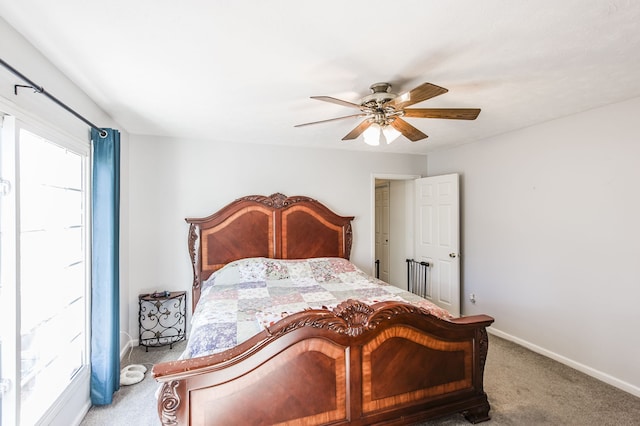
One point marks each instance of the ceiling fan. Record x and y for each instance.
(383, 112)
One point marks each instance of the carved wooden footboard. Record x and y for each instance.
(389, 363)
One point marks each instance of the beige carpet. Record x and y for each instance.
(524, 388)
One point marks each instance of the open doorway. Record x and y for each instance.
(423, 224)
(393, 226)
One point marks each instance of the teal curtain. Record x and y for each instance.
(105, 283)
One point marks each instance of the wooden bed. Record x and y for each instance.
(389, 363)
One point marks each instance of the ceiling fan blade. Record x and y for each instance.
(358, 130)
(408, 130)
(452, 113)
(336, 101)
(421, 93)
(330, 119)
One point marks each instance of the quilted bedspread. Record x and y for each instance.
(240, 299)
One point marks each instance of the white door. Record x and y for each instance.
(437, 239)
(44, 276)
(382, 230)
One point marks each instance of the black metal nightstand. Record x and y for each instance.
(162, 318)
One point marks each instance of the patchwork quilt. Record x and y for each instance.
(245, 296)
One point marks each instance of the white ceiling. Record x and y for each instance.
(243, 71)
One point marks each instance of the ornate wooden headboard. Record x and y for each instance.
(276, 226)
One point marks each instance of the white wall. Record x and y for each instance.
(171, 179)
(551, 237)
(21, 55)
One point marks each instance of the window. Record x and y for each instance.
(44, 286)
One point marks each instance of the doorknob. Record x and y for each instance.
(452, 255)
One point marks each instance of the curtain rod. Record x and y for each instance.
(40, 89)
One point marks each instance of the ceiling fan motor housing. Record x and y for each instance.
(379, 95)
(374, 105)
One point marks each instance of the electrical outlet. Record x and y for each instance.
(472, 297)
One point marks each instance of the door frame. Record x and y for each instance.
(73, 402)
(372, 209)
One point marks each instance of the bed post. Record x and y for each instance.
(194, 254)
(480, 413)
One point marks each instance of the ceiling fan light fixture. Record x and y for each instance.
(390, 133)
(372, 135)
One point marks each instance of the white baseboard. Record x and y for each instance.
(128, 347)
(604, 377)
(125, 350)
